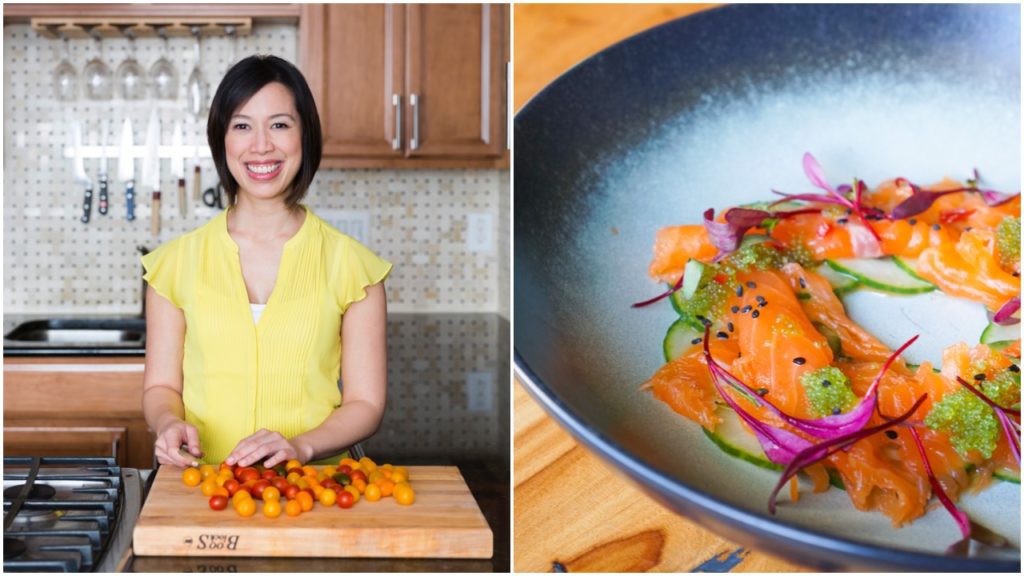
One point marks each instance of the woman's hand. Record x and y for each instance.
(272, 446)
(169, 440)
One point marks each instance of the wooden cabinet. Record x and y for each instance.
(76, 407)
(408, 85)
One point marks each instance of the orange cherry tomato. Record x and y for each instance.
(293, 508)
(246, 508)
(387, 488)
(207, 470)
(218, 502)
(306, 500)
(270, 493)
(293, 463)
(208, 486)
(272, 508)
(239, 496)
(372, 493)
(404, 494)
(221, 491)
(191, 477)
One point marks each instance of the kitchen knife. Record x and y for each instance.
(151, 169)
(126, 167)
(80, 176)
(177, 166)
(197, 179)
(104, 180)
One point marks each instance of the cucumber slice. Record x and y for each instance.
(735, 440)
(841, 283)
(908, 265)
(691, 277)
(751, 239)
(998, 337)
(679, 337)
(882, 274)
(1008, 475)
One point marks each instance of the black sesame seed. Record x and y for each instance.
(803, 283)
(1014, 368)
(760, 299)
(739, 291)
(750, 284)
(755, 314)
(848, 211)
(722, 335)
(746, 309)
(825, 383)
(763, 304)
(912, 221)
(799, 360)
(979, 377)
(936, 227)
(733, 329)
(836, 410)
(735, 309)
(968, 229)
(842, 221)
(703, 320)
(891, 434)
(762, 391)
(696, 341)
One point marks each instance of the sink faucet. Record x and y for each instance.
(143, 250)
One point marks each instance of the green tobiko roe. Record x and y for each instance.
(1008, 242)
(970, 423)
(828, 391)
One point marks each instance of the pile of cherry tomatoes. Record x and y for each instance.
(293, 489)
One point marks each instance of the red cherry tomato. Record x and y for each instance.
(357, 474)
(345, 469)
(246, 474)
(232, 486)
(268, 474)
(218, 502)
(296, 470)
(280, 483)
(345, 499)
(258, 488)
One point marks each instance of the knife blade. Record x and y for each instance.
(151, 169)
(103, 177)
(80, 176)
(126, 167)
(177, 166)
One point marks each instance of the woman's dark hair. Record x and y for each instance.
(244, 79)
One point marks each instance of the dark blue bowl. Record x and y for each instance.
(710, 111)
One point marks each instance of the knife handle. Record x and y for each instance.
(154, 221)
(104, 199)
(87, 204)
(197, 184)
(182, 205)
(129, 196)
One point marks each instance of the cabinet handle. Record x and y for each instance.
(396, 102)
(414, 101)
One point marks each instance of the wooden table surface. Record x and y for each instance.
(573, 512)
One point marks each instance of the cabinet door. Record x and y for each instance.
(352, 55)
(49, 440)
(455, 76)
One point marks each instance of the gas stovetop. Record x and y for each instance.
(67, 514)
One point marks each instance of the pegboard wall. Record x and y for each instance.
(448, 388)
(418, 219)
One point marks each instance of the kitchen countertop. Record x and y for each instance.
(572, 512)
(448, 404)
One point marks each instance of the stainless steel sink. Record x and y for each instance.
(81, 332)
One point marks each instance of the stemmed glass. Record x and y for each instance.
(163, 76)
(65, 77)
(131, 76)
(196, 88)
(99, 79)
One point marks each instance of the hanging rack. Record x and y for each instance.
(114, 27)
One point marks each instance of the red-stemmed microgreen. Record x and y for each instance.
(1010, 428)
(1005, 315)
(672, 290)
(962, 521)
(727, 236)
(921, 200)
(826, 448)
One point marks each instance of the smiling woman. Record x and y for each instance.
(252, 318)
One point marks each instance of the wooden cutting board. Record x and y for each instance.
(443, 522)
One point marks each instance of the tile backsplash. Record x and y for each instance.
(418, 219)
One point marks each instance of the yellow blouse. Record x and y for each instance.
(282, 372)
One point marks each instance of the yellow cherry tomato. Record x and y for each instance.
(354, 491)
(246, 508)
(191, 477)
(272, 508)
(404, 494)
(372, 493)
(375, 477)
(328, 471)
(239, 496)
(271, 493)
(308, 470)
(347, 462)
(328, 497)
(360, 484)
(207, 470)
(292, 464)
(208, 486)
(367, 464)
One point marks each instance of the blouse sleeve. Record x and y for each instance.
(162, 271)
(360, 268)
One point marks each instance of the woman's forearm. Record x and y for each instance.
(162, 405)
(353, 421)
